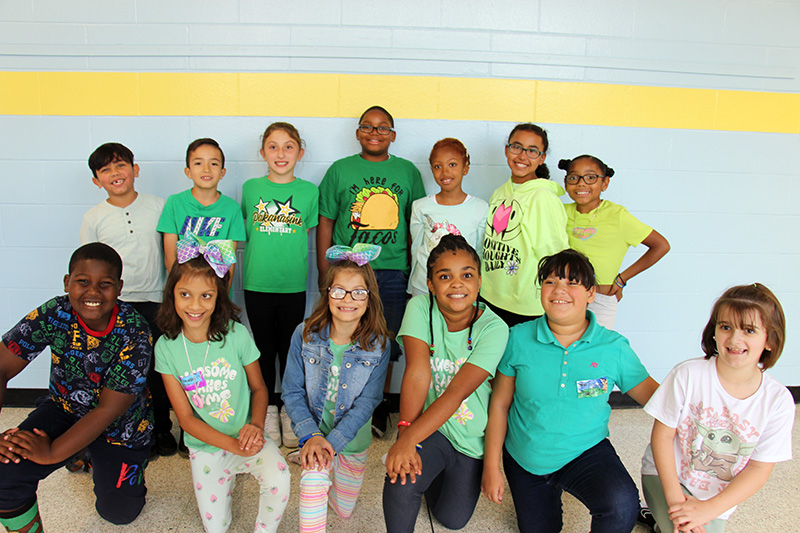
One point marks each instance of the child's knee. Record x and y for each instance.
(119, 511)
(314, 481)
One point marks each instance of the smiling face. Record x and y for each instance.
(281, 152)
(565, 300)
(448, 168)
(195, 301)
(374, 146)
(585, 195)
(93, 287)
(740, 343)
(522, 167)
(117, 178)
(347, 310)
(455, 282)
(205, 167)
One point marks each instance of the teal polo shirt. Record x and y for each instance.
(560, 406)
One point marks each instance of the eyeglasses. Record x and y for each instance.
(588, 179)
(338, 293)
(367, 128)
(517, 149)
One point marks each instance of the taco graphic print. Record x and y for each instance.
(375, 208)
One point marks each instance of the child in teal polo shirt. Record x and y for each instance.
(548, 418)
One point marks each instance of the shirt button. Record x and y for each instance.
(366, 363)
(344, 385)
(566, 352)
(341, 407)
(564, 375)
(312, 361)
(347, 365)
(562, 385)
(565, 362)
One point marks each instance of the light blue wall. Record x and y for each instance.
(725, 200)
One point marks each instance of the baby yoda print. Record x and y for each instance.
(719, 451)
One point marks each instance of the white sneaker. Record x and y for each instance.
(271, 425)
(289, 438)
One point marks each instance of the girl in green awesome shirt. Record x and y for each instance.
(452, 350)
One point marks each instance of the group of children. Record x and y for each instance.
(474, 393)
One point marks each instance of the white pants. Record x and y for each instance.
(604, 308)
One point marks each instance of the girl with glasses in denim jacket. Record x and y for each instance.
(334, 380)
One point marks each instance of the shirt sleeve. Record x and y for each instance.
(248, 352)
(631, 370)
(415, 320)
(483, 214)
(88, 231)
(775, 443)
(328, 199)
(549, 227)
(312, 219)
(237, 232)
(163, 358)
(489, 348)
(166, 224)
(417, 188)
(32, 334)
(666, 403)
(634, 230)
(505, 366)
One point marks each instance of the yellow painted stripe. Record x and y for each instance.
(419, 97)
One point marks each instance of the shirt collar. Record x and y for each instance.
(545, 336)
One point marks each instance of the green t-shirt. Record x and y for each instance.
(183, 214)
(363, 438)
(277, 217)
(466, 427)
(604, 236)
(371, 203)
(226, 395)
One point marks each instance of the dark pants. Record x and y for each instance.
(118, 472)
(511, 319)
(597, 478)
(161, 420)
(392, 285)
(273, 317)
(450, 480)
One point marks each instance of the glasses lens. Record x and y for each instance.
(365, 128)
(572, 180)
(337, 293)
(533, 153)
(515, 149)
(384, 130)
(590, 178)
(359, 294)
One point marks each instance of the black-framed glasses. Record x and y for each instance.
(588, 179)
(338, 293)
(367, 128)
(517, 149)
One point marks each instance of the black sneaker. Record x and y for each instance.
(80, 461)
(183, 451)
(380, 418)
(164, 445)
(645, 519)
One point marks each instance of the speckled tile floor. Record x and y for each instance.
(67, 502)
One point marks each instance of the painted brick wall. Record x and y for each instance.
(724, 199)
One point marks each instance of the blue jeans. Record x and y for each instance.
(392, 284)
(597, 478)
(450, 480)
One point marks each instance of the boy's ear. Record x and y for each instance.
(119, 289)
(97, 182)
(135, 171)
(186, 171)
(66, 282)
(222, 173)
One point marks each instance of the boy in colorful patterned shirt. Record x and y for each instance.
(101, 352)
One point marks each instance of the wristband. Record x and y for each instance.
(419, 446)
(302, 441)
(403, 423)
(619, 282)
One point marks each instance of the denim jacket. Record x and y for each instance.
(305, 385)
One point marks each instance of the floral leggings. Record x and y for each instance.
(214, 476)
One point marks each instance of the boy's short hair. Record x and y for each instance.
(107, 153)
(200, 142)
(97, 251)
(567, 263)
(377, 108)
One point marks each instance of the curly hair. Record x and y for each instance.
(566, 164)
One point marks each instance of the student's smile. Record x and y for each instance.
(565, 300)
(586, 195)
(523, 168)
(347, 310)
(455, 282)
(374, 146)
(205, 167)
(117, 177)
(448, 168)
(740, 346)
(281, 153)
(93, 288)
(195, 301)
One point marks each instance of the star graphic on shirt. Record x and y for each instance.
(285, 208)
(261, 206)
